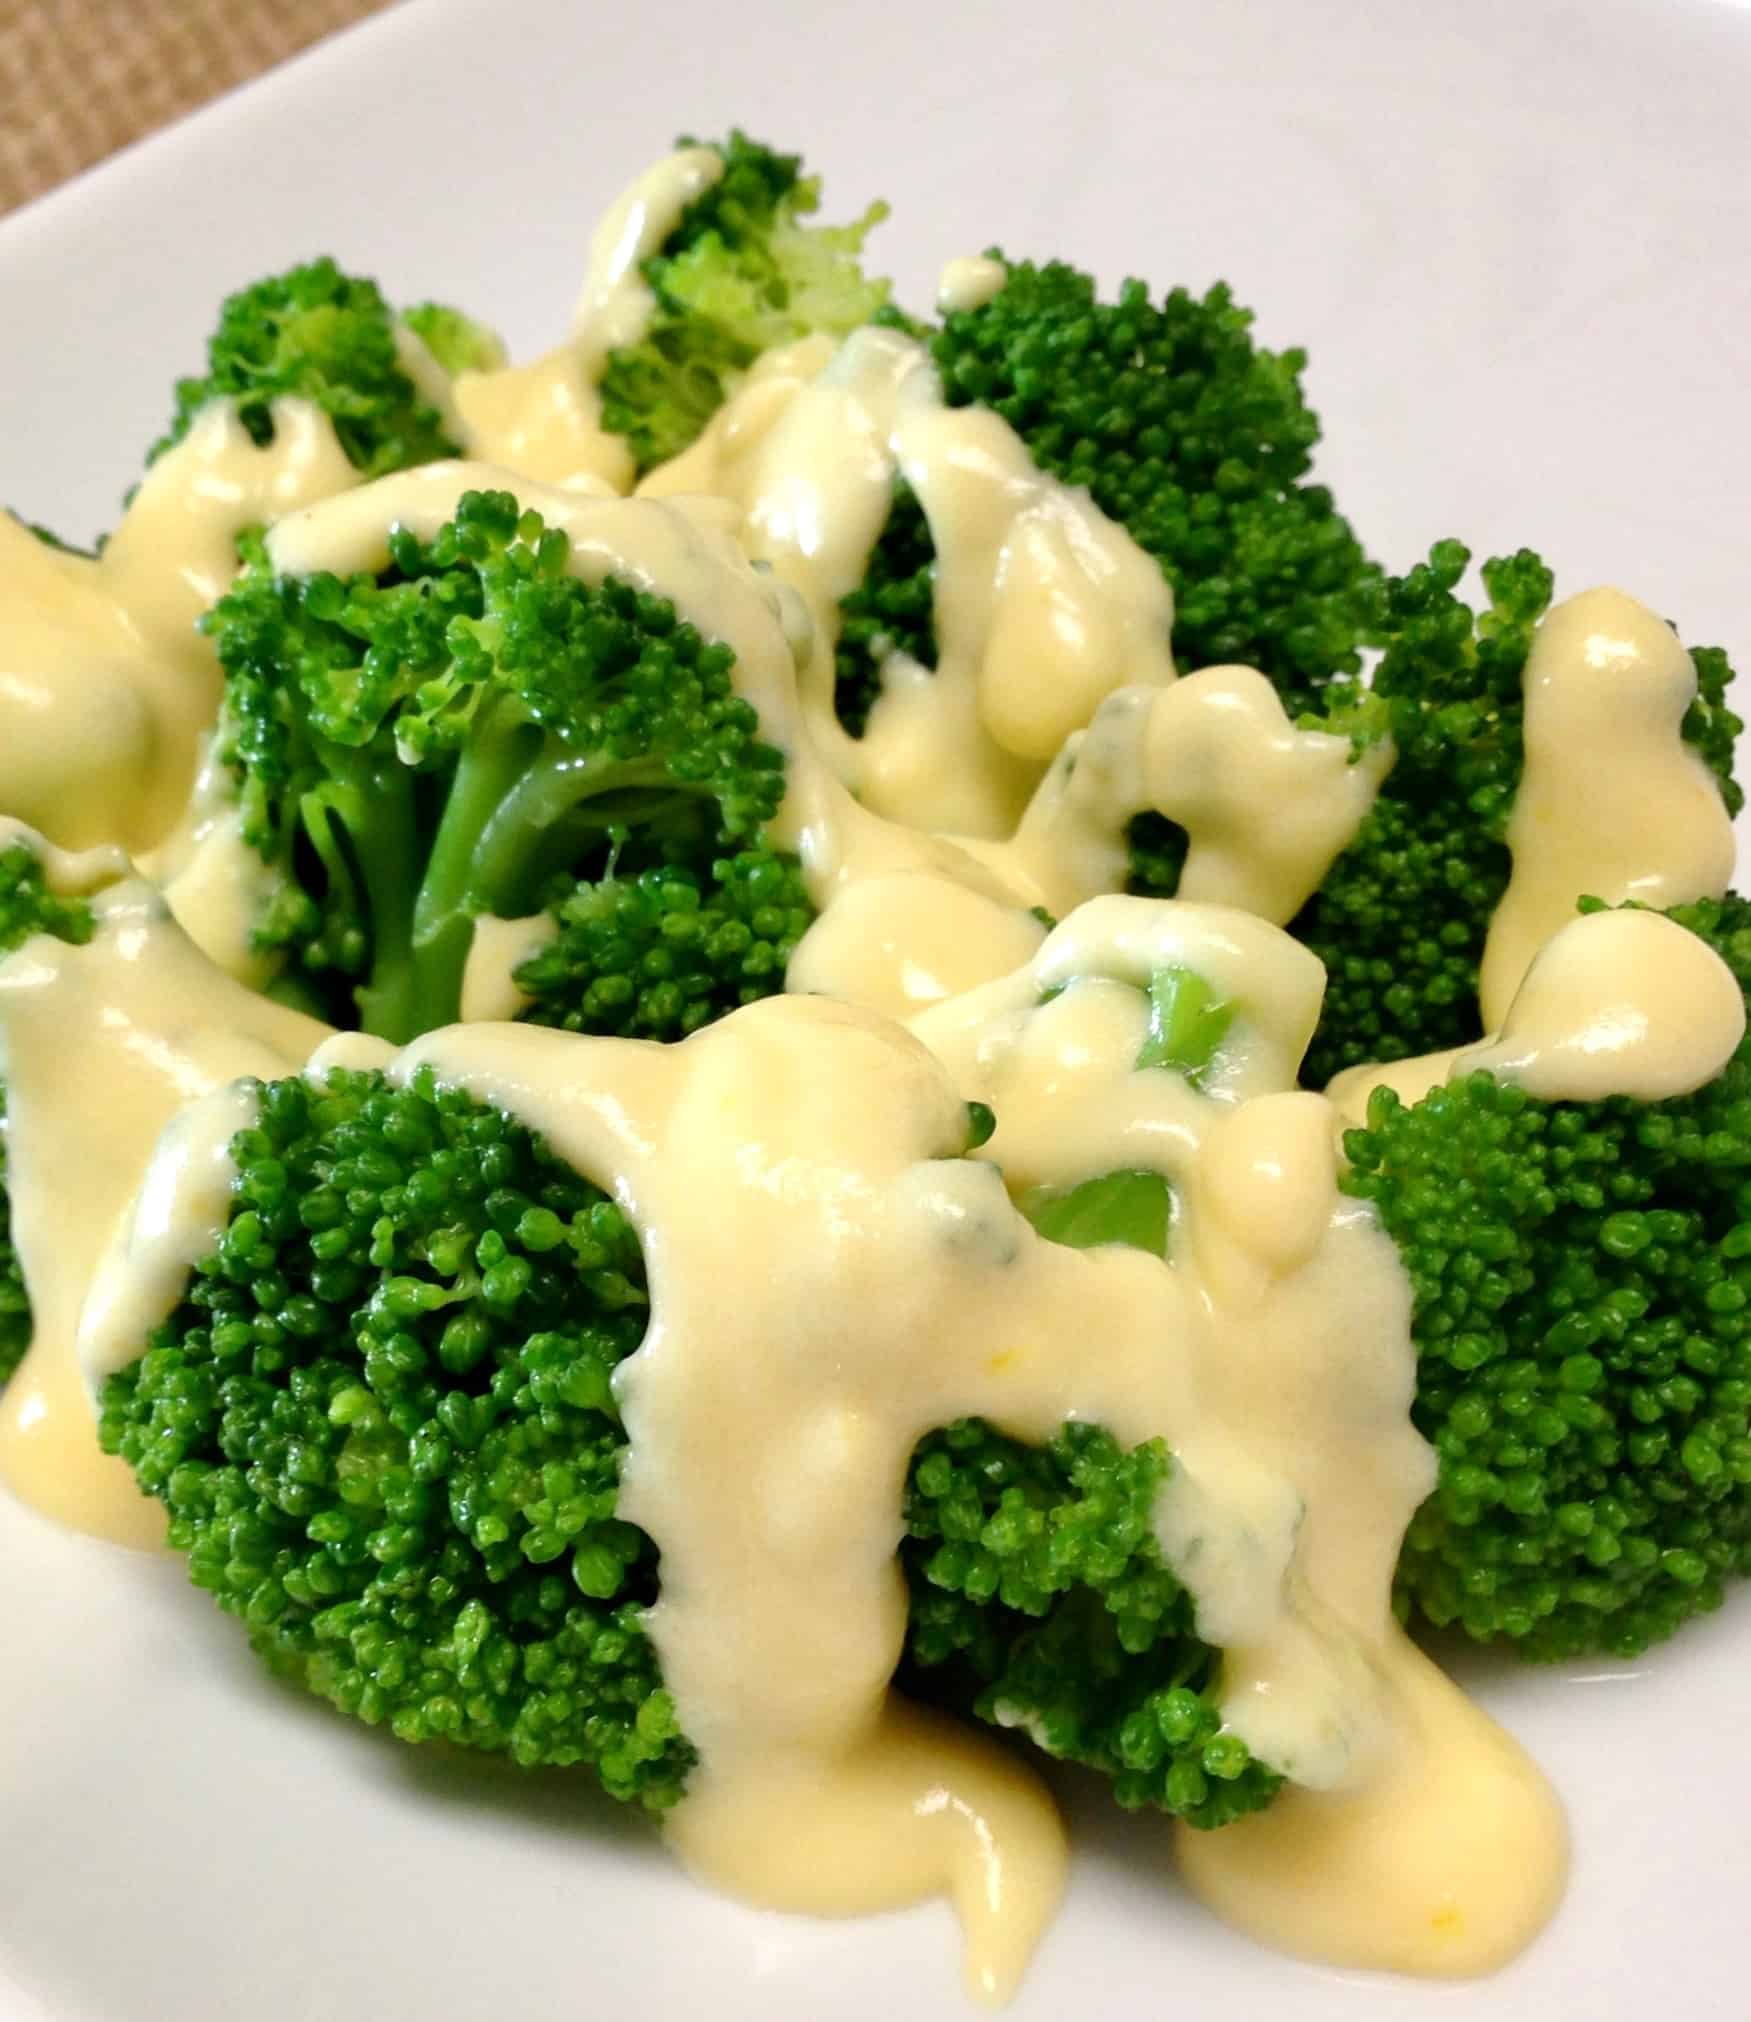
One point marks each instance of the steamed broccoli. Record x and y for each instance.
(1582, 1292)
(741, 273)
(1039, 1596)
(27, 907)
(382, 1423)
(457, 342)
(1184, 432)
(1402, 916)
(1582, 1274)
(1040, 1601)
(477, 731)
(660, 954)
(329, 337)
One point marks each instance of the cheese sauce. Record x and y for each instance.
(545, 419)
(1613, 803)
(106, 689)
(101, 1046)
(1616, 1003)
(1043, 605)
(1295, 1464)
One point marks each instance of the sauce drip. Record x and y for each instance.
(101, 1047)
(106, 689)
(1613, 803)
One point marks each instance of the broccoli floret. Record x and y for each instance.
(457, 342)
(1582, 1280)
(1401, 919)
(1040, 1601)
(382, 1426)
(1185, 432)
(477, 731)
(740, 274)
(27, 907)
(382, 1423)
(1039, 1594)
(661, 954)
(328, 337)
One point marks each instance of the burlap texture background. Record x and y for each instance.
(81, 78)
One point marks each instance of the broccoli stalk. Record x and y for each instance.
(479, 732)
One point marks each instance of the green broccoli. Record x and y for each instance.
(658, 955)
(457, 342)
(1582, 1274)
(477, 731)
(1039, 1601)
(1582, 1285)
(27, 907)
(329, 337)
(1039, 1596)
(740, 274)
(1185, 432)
(383, 1426)
(1402, 916)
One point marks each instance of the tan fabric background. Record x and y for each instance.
(81, 78)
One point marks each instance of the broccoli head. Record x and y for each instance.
(740, 274)
(1401, 918)
(475, 731)
(27, 906)
(1040, 1598)
(383, 1425)
(658, 955)
(1188, 435)
(1582, 1280)
(457, 342)
(326, 336)
(1040, 1601)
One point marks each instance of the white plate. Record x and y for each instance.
(1515, 239)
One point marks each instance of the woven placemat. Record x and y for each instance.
(81, 78)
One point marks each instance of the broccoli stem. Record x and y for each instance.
(1187, 1023)
(1117, 1207)
(362, 823)
(511, 792)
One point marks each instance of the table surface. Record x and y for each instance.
(80, 79)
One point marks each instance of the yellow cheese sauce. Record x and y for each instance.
(106, 690)
(1613, 803)
(545, 419)
(803, 1156)
(1615, 1003)
(101, 1046)
(1266, 806)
